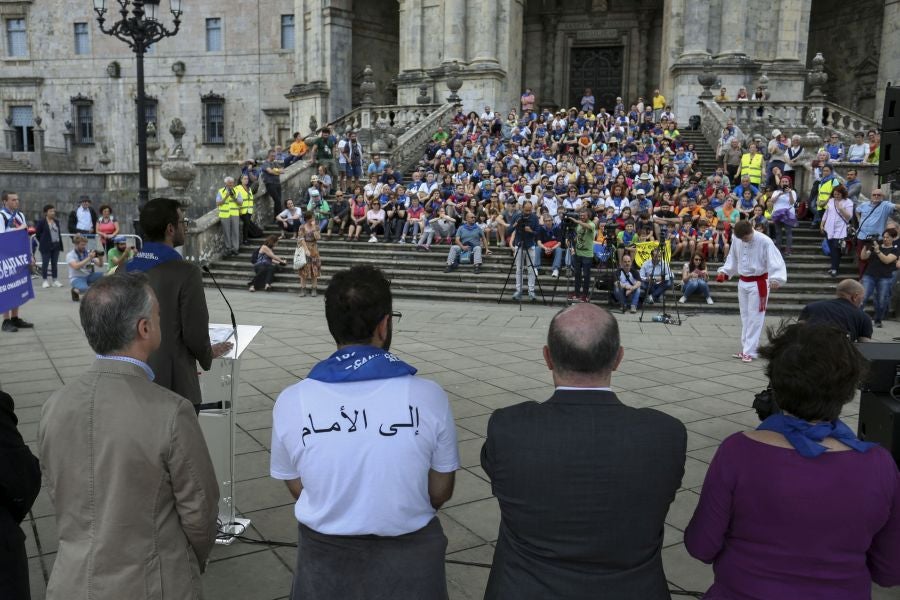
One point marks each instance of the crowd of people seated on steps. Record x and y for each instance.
(629, 164)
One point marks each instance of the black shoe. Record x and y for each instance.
(75, 296)
(21, 324)
(450, 268)
(878, 324)
(477, 269)
(9, 326)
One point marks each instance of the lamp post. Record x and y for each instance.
(139, 28)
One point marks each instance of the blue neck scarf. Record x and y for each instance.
(805, 436)
(152, 254)
(360, 363)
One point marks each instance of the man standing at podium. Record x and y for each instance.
(368, 450)
(182, 304)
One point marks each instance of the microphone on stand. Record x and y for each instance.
(218, 405)
(227, 303)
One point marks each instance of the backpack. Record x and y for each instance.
(254, 257)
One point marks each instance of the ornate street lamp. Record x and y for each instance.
(139, 28)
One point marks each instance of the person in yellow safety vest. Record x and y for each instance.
(827, 183)
(752, 164)
(229, 201)
(246, 207)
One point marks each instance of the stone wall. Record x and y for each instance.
(252, 73)
(848, 34)
(376, 42)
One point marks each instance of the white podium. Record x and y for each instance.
(219, 386)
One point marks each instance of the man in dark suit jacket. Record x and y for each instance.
(20, 482)
(182, 304)
(583, 481)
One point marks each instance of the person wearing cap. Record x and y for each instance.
(318, 206)
(119, 254)
(323, 151)
(83, 220)
(229, 201)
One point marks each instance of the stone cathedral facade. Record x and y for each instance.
(244, 75)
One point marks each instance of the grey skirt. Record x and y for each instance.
(371, 567)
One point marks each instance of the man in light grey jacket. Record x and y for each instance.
(127, 468)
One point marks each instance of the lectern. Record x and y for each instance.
(219, 388)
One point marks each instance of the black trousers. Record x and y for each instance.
(274, 191)
(395, 228)
(48, 262)
(265, 273)
(582, 266)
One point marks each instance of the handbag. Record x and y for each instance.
(299, 257)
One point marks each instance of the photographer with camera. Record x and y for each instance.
(784, 216)
(773, 516)
(872, 216)
(879, 275)
(524, 227)
(583, 259)
(84, 267)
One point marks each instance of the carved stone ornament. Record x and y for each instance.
(38, 120)
(707, 79)
(423, 97)
(817, 77)
(104, 156)
(177, 169)
(114, 69)
(453, 82)
(179, 68)
(367, 87)
(313, 124)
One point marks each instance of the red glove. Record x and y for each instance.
(721, 278)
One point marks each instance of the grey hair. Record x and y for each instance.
(112, 308)
(229, 178)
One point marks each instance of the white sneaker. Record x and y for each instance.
(402, 241)
(555, 273)
(415, 240)
(373, 239)
(57, 284)
(709, 301)
(682, 300)
(46, 284)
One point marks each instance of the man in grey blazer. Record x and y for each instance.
(583, 481)
(178, 285)
(125, 462)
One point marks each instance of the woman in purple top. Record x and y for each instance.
(800, 508)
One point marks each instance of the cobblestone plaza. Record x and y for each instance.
(485, 356)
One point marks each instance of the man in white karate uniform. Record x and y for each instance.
(757, 261)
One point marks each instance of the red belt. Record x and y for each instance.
(762, 285)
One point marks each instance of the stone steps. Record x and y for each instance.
(13, 166)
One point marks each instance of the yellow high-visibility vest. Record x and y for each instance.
(229, 206)
(247, 194)
(752, 166)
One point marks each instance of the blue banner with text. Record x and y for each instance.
(15, 270)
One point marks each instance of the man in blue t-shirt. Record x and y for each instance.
(469, 238)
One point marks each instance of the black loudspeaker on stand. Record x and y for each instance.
(879, 408)
(889, 159)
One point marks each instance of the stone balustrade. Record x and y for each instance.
(796, 115)
(410, 145)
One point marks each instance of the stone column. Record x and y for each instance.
(696, 28)
(644, 57)
(483, 42)
(454, 31)
(411, 41)
(337, 21)
(889, 61)
(548, 93)
(300, 41)
(789, 17)
(733, 29)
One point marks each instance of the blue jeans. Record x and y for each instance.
(557, 253)
(622, 299)
(83, 283)
(880, 287)
(656, 290)
(583, 266)
(694, 286)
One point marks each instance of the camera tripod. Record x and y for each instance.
(665, 267)
(526, 264)
(567, 258)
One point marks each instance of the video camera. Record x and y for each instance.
(870, 240)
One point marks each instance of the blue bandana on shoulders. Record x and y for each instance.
(805, 436)
(360, 363)
(152, 254)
